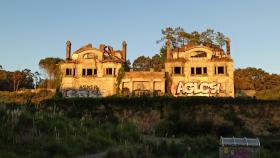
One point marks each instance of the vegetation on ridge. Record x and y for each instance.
(135, 127)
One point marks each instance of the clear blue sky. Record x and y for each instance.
(34, 29)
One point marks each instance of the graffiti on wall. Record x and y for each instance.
(83, 91)
(199, 89)
(241, 153)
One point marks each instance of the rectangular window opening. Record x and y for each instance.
(177, 70)
(84, 72)
(109, 71)
(205, 70)
(89, 72)
(68, 72)
(95, 72)
(221, 70)
(198, 71)
(192, 71)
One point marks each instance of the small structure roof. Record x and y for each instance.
(252, 142)
(144, 74)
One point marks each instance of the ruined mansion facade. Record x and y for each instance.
(190, 70)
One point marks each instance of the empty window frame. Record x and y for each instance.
(221, 70)
(204, 70)
(89, 72)
(109, 71)
(192, 71)
(83, 72)
(198, 71)
(94, 72)
(68, 72)
(177, 70)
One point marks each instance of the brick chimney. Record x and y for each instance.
(102, 48)
(228, 45)
(168, 50)
(68, 50)
(124, 50)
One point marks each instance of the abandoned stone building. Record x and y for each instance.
(91, 72)
(199, 71)
(189, 71)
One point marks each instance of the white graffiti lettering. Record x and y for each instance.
(194, 88)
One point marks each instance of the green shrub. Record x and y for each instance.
(225, 130)
(232, 117)
(165, 128)
(4, 154)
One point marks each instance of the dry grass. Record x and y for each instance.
(24, 97)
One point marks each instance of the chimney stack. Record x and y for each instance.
(102, 48)
(68, 50)
(124, 50)
(228, 45)
(168, 50)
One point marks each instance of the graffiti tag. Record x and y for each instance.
(83, 91)
(193, 88)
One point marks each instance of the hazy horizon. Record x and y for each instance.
(32, 30)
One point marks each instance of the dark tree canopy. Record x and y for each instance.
(162, 53)
(50, 66)
(142, 63)
(178, 37)
(127, 65)
(13, 81)
(255, 79)
(157, 63)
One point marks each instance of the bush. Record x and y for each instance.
(4, 154)
(225, 130)
(232, 116)
(165, 128)
(207, 144)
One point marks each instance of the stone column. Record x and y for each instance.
(124, 45)
(102, 48)
(152, 87)
(228, 45)
(131, 87)
(68, 50)
(168, 50)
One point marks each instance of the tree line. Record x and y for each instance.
(15, 80)
(26, 79)
(179, 37)
(255, 79)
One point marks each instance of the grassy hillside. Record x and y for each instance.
(135, 127)
(25, 96)
(269, 94)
